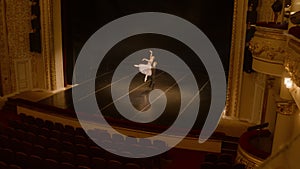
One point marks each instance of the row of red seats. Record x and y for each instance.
(22, 161)
(62, 143)
(220, 161)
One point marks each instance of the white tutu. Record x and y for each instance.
(145, 69)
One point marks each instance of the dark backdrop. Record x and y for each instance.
(82, 18)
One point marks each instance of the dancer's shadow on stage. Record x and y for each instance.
(140, 99)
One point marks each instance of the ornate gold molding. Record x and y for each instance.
(286, 107)
(292, 61)
(236, 61)
(249, 160)
(268, 47)
(14, 39)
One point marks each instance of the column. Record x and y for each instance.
(51, 44)
(286, 112)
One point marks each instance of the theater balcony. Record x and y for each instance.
(254, 148)
(276, 53)
(268, 50)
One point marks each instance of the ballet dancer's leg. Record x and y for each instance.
(145, 78)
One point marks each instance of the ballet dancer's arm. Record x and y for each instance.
(149, 60)
(144, 59)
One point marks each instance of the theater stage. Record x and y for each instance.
(138, 94)
(61, 104)
(59, 107)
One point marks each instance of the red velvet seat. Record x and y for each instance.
(3, 165)
(67, 157)
(83, 167)
(208, 165)
(69, 129)
(4, 141)
(212, 158)
(35, 162)
(30, 137)
(55, 134)
(97, 162)
(132, 166)
(80, 140)
(58, 126)
(20, 134)
(39, 122)
(39, 150)
(96, 151)
(21, 159)
(54, 143)
(26, 147)
(51, 164)
(113, 164)
(82, 160)
(223, 165)
(68, 146)
(13, 166)
(82, 149)
(66, 165)
(53, 153)
(80, 132)
(49, 124)
(226, 158)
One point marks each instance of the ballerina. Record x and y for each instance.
(146, 68)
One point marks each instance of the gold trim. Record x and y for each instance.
(270, 33)
(295, 45)
(287, 108)
(292, 61)
(276, 62)
(251, 158)
(236, 59)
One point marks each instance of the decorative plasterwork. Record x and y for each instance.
(268, 44)
(268, 50)
(292, 62)
(249, 160)
(15, 27)
(236, 61)
(286, 108)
